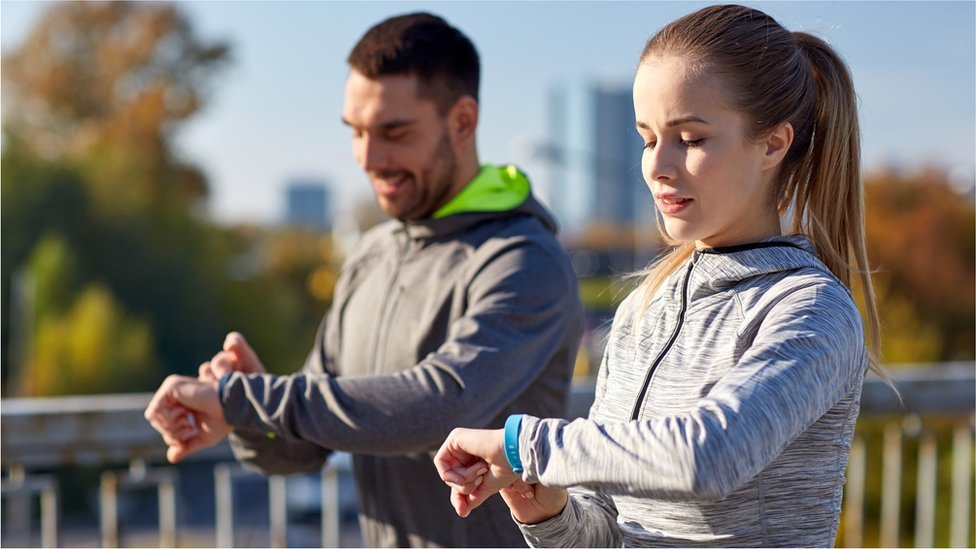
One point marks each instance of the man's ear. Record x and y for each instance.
(777, 145)
(463, 119)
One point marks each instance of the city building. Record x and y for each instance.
(308, 205)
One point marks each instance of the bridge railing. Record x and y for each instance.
(910, 471)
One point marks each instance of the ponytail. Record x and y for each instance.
(825, 188)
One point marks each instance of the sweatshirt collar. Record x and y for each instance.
(720, 268)
(494, 189)
(496, 192)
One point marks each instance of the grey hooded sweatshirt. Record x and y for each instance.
(435, 324)
(725, 419)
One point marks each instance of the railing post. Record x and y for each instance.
(890, 485)
(108, 504)
(925, 491)
(962, 447)
(167, 513)
(225, 507)
(278, 511)
(18, 512)
(854, 496)
(49, 516)
(330, 507)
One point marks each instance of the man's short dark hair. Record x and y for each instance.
(443, 59)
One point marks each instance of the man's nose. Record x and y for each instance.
(371, 153)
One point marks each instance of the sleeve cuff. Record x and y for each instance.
(222, 386)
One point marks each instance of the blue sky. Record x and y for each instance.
(275, 113)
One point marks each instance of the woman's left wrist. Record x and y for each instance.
(513, 427)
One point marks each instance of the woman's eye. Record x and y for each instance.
(649, 145)
(692, 143)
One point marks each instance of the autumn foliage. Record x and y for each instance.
(922, 244)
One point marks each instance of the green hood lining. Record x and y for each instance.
(494, 189)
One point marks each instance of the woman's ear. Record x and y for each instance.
(463, 119)
(777, 145)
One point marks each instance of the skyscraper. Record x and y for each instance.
(307, 205)
(594, 155)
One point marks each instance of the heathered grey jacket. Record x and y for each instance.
(435, 324)
(725, 421)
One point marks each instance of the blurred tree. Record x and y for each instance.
(281, 283)
(921, 240)
(92, 101)
(108, 83)
(81, 345)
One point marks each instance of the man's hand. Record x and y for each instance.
(236, 355)
(188, 414)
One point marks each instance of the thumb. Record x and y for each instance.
(465, 503)
(178, 452)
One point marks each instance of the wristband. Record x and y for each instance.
(512, 427)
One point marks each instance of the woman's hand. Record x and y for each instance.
(473, 463)
(534, 503)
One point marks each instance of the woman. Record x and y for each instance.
(726, 401)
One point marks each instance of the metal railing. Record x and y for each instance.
(106, 431)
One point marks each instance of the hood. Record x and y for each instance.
(496, 192)
(717, 269)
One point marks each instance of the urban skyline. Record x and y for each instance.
(274, 116)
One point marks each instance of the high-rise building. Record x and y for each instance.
(594, 156)
(617, 157)
(308, 205)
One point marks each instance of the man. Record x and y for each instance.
(459, 312)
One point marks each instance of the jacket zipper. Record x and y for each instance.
(383, 328)
(674, 336)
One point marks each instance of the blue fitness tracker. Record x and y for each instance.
(512, 427)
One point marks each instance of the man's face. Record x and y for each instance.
(402, 143)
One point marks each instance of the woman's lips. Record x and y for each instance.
(670, 205)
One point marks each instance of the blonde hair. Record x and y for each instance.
(772, 77)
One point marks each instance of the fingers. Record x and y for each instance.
(522, 488)
(460, 503)
(450, 456)
(180, 394)
(179, 451)
(180, 435)
(465, 503)
(162, 401)
(187, 413)
(224, 363)
(206, 373)
(537, 504)
(247, 359)
(460, 474)
(467, 479)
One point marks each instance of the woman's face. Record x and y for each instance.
(710, 182)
